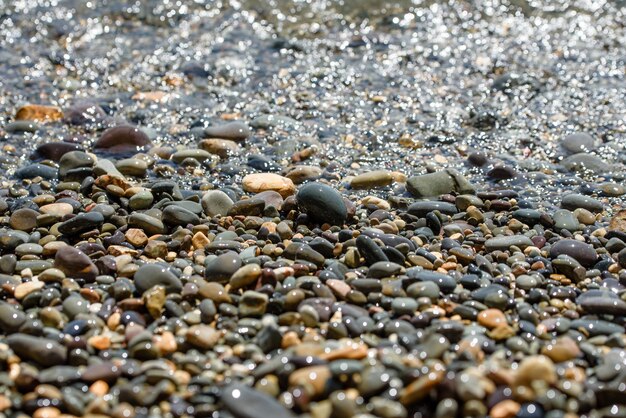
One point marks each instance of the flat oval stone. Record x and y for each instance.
(503, 243)
(178, 215)
(43, 351)
(603, 306)
(446, 283)
(578, 142)
(260, 182)
(438, 183)
(36, 170)
(421, 209)
(322, 203)
(81, 223)
(221, 268)
(150, 275)
(54, 150)
(245, 402)
(11, 318)
(74, 263)
(585, 254)
(123, 139)
(575, 201)
(196, 154)
(149, 224)
(235, 131)
(371, 179)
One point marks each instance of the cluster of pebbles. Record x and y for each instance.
(243, 266)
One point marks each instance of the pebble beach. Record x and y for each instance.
(320, 209)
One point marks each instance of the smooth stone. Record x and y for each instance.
(382, 269)
(57, 209)
(252, 304)
(24, 219)
(216, 202)
(302, 251)
(564, 219)
(245, 276)
(303, 173)
(271, 198)
(322, 203)
(586, 162)
(9, 239)
(597, 327)
(141, 200)
(492, 318)
(603, 306)
(438, 183)
(85, 113)
(81, 223)
(220, 147)
(197, 154)
(446, 283)
(123, 138)
(74, 159)
(578, 142)
(503, 243)
(36, 170)
(260, 182)
(563, 349)
(244, 402)
(272, 121)
(235, 131)
(203, 336)
(585, 254)
(221, 268)
(535, 368)
(150, 275)
(11, 318)
(74, 263)
(150, 224)
(612, 189)
(372, 179)
(53, 150)
(178, 215)
(75, 305)
(428, 290)
(575, 201)
(132, 167)
(404, 306)
(20, 126)
(370, 250)
(421, 209)
(43, 351)
(526, 282)
(247, 207)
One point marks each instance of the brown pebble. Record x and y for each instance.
(491, 318)
(505, 409)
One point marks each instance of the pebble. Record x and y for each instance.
(441, 182)
(261, 182)
(585, 254)
(150, 275)
(236, 131)
(123, 138)
(322, 203)
(245, 402)
(372, 179)
(578, 142)
(216, 202)
(81, 223)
